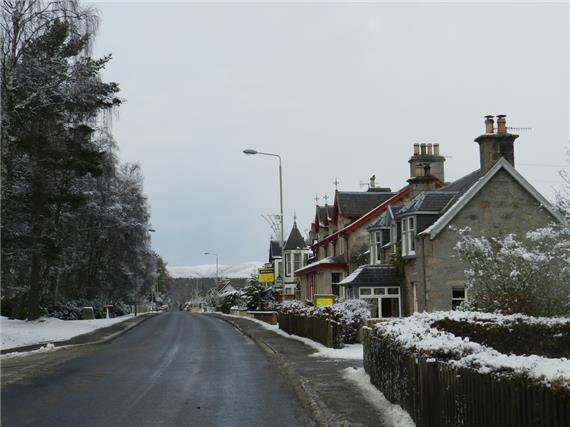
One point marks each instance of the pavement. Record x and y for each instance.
(173, 369)
(332, 400)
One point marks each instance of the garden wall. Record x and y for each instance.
(438, 394)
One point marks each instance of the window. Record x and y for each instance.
(383, 302)
(378, 246)
(287, 265)
(297, 262)
(409, 236)
(335, 278)
(458, 295)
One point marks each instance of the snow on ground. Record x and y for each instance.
(350, 351)
(238, 271)
(18, 333)
(415, 333)
(392, 414)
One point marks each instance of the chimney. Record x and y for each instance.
(373, 181)
(501, 124)
(493, 146)
(427, 154)
(489, 124)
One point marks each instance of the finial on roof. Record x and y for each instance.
(317, 199)
(336, 183)
(326, 198)
(294, 216)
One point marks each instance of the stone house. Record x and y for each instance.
(412, 266)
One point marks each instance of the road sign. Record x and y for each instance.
(266, 275)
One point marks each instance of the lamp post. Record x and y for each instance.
(251, 152)
(217, 276)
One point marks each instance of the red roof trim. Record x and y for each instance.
(319, 267)
(366, 217)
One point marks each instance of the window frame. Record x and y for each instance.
(380, 297)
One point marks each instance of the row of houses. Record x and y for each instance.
(395, 248)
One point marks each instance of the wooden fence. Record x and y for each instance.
(324, 331)
(437, 394)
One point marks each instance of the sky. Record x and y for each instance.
(339, 90)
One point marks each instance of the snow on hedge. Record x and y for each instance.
(416, 334)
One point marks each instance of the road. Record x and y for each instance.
(175, 369)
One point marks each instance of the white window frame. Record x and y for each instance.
(384, 295)
(409, 236)
(464, 289)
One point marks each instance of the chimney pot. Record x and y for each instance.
(436, 149)
(373, 181)
(419, 170)
(430, 150)
(489, 124)
(501, 124)
(416, 149)
(423, 149)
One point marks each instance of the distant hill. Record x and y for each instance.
(243, 270)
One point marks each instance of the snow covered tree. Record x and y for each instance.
(526, 275)
(74, 222)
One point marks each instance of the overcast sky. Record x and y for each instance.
(339, 90)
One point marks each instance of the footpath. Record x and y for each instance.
(318, 381)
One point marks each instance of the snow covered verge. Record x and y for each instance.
(349, 352)
(392, 415)
(418, 335)
(18, 333)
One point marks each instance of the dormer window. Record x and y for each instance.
(409, 236)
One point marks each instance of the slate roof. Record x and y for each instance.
(359, 203)
(383, 219)
(442, 199)
(432, 201)
(322, 212)
(295, 239)
(373, 275)
(274, 249)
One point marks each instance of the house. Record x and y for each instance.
(412, 265)
(296, 254)
(343, 245)
(275, 257)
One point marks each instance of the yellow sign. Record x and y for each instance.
(266, 275)
(323, 300)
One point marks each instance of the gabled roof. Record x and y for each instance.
(471, 191)
(404, 192)
(353, 204)
(373, 275)
(274, 250)
(323, 215)
(295, 239)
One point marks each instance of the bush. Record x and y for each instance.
(258, 297)
(351, 315)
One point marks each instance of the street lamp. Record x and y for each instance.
(251, 152)
(216, 255)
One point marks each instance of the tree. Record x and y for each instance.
(526, 275)
(74, 222)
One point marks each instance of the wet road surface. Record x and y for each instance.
(175, 369)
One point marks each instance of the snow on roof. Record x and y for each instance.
(327, 260)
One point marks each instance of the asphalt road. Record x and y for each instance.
(175, 369)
